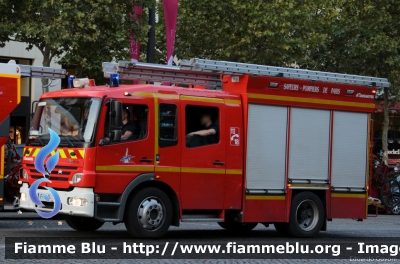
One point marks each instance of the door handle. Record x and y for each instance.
(218, 162)
(145, 160)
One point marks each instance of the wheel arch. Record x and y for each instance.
(147, 180)
(321, 195)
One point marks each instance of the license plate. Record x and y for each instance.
(44, 197)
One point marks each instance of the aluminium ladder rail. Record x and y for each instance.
(42, 72)
(160, 73)
(208, 73)
(234, 68)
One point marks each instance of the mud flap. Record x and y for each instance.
(325, 225)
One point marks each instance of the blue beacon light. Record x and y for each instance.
(71, 81)
(114, 80)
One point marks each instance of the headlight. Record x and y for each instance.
(24, 174)
(23, 196)
(77, 178)
(77, 201)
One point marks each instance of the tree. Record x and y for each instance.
(364, 40)
(81, 31)
(355, 37)
(255, 31)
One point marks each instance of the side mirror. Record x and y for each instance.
(116, 120)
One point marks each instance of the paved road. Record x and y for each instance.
(29, 225)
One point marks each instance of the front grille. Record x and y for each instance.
(53, 173)
(51, 178)
(60, 173)
(57, 167)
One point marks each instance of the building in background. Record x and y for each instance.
(31, 89)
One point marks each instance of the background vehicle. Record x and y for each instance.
(10, 79)
(293, 148)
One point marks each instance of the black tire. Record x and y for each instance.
(307, 215)
(155, 205)
(80, 223)
(237, 227)
(390, 192)
(282, 228)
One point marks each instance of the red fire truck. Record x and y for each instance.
(291, 148)
(10, 96)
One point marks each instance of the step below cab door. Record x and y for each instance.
(203, 157)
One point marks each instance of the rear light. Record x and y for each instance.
(24, 174)
(77, 178)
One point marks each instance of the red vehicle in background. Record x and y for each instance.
(12, 165)
(292, 148)
(10, 95)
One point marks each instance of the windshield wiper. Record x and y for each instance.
(68, 140)
(41, 142)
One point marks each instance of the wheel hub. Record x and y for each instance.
(150, 213)
(307, 215)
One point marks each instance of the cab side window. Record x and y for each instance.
(134, 122)
(202, 126)
(168, 125)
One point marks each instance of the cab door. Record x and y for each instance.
(118, 163)
(203, 165)
(167, 166)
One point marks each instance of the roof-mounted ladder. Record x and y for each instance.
(208, 73)
(42, 72)
(160, 73)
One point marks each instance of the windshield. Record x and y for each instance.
(73, 119)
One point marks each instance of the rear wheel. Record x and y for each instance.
(306, 215)
(237, 227)
(83, 223)
(148, 213)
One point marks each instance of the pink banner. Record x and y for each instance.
(171, 16)
(135, 46)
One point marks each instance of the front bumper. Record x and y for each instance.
(85, 193)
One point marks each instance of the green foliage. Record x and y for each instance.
(358, 37)
(256, 31)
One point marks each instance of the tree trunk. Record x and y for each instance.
(385, 125)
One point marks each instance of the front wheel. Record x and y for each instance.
(237, 227)
(306, 215)
(148, 213)
(83, 223)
